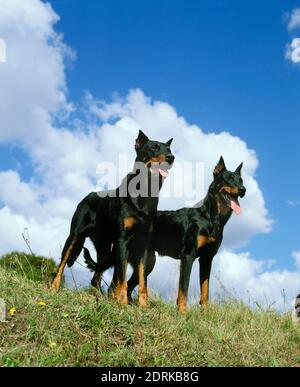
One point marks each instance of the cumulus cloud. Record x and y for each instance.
(65, 157)
(294, 20)
(296, 256)
(292, 52)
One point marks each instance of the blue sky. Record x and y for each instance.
(220, 63)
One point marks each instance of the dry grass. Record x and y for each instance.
(76, 328)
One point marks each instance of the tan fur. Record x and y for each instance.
(129, 222)
(203, 240)
(121, 290)
(158, 159)
(204, 292)
(143, 294)
(181, 298)
(58, 277)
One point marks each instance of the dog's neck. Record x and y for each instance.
(211, 210)
(151, 184)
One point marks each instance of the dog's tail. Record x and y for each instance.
(91, 264)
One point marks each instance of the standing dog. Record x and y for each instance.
(191, 233)
(122, 218)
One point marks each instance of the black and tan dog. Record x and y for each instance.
(189, 233)
(122, 218)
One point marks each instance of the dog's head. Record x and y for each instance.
(228, 187)
(157, 156)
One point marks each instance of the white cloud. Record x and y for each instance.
(2, 51)
(296, 256)
(294, 20)
(191, 143)
(293, 51)
(33, 92)
(293, 203)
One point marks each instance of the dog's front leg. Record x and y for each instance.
(184, 281)
(121, 267)
(142, 275)
(205, 269)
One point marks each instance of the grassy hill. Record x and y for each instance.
(82, 328)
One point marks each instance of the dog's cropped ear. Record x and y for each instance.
(141, 140)
(168, 143)
(239, 169)
(220, 167)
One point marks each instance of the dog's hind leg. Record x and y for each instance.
(70, 252)
(121, 267)
(113, 285)
(134, 279)
(142, 276)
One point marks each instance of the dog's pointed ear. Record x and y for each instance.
(168, 143)
(220, 167)
(141, 140)
(239, 169)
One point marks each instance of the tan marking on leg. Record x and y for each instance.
(181, 298)
(181, 302)
(58, 276)
(143, 293)
(129, 222)
(204, 293)
(121, 290)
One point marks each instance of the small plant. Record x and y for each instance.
(33, 267)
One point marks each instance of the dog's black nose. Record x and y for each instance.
(170, 159)
(242, 192)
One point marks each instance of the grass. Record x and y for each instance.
(83, 328)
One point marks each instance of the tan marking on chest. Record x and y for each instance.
(204, 240)
(129, 222)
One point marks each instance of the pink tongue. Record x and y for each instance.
(163, 172)
(235, 207)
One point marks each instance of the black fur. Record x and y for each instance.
(180, 234)
(102, 216)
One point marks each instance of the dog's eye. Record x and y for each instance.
(157, 147)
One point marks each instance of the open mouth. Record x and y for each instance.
(160, 168)
(232, 201)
